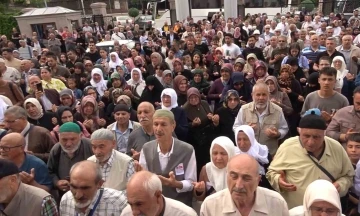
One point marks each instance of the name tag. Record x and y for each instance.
(179, 169)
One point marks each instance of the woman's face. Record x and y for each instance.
(103, 54)
(113, 58)
(284, 75)
(218, 55)
(88, 109)
(92, 92)
(116, 83)
(183, 85)
(136, 76)
(127, 65)
(225, 75)
(260, 71)
(96, 78)
(243, 142)
(194, 100)
(337, 64)
(134, 53)
(233, 102)
(154, 59)
(168, 79)
(251, 61)
(238, 67)
(32, 110)
(45, 75)
(196, 59)
(150, 87)
(166, 100)
(317, 207)
(67, 116)
(219, 156)
(271, 85)
(63, 58)
(197, 78)
(206, 75)
(294, 52)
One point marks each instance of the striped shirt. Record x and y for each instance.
(311, 54)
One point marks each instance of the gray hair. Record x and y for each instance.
(102, 134)
(152, 184)
(260, 85)
(17, 111)
(98, 171)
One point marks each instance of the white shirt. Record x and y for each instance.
(12, 75)
(190, 171)
(87, 29)
(118, 36)
(37, 47)
(232, 51)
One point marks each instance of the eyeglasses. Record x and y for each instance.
(6, 148)
(319, 210)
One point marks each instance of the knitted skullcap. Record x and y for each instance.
(69, 127)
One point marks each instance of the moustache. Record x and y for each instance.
(144, 119)
(239, 190)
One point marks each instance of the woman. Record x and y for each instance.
(152, 91)
(159, 70)
(64, 114)
(250, 64)
(63, 59)
(277, 96)
(169, 102)
(201, 128)
(97, 81)
(227, 114)
(156, 59)
(129, 64)
(297, 70)
(295, 51)
(241, 85)
(137, 85)
(312, 84)
(122, 70)
(37, 116)
(319, 194)
(259, 72)
(89, 114)
(200, 83)
(212, 177)
(180, 70)
(197, 61)
(51, 83)
(216, 64)
(339, 64)
(68, 99)
(104, 60)
(167, 79)
(114, 61)
(80, 75)
(247, 144)
(124, 99)
(181, 86)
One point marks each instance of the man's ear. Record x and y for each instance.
(100, 184)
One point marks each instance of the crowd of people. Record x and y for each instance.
(252, 116)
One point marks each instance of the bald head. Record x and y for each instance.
(242, 161)
(145, 181)
(147, 105)
(13, 139)
(88, 170)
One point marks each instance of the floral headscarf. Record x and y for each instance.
(285, 68)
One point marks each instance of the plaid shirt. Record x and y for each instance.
(111, 203)
(49, 207)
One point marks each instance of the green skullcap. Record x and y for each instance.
(70, 127)
(163, 113)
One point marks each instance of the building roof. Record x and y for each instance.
(47, 11)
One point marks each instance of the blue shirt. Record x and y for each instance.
(122, 137)
(42, 175)
(311, 54)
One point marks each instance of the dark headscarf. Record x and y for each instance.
(202, 84)
(177, 81)
(80, 85)
(153, 95)
(245, 90)
(228, 94)
(199, 110)
(60, 111)
(313, 80)
(277, 93)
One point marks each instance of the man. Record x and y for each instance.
(265, 117)
(57, 71)
(251, 48)
(326, 99)
(321, 29)
(200, 45)
(117, 168)
(38, 140)
(172, 36)
(122, 127)
(152, 201)
(345, 120)
(173, 160)
(268, 51)
(330, 51)
(351, 54)
(283, 25)
(190, 48)
(307, 22)
(93, 53)
(3, 41)
(33, 171)
(298, 160)
(231, 50)
(355, 16)
(70, 149)
(72, 59)
(117, 35)
(86, 28)
(313, 51)
(9, 74)
(98, 30)
(10, 60)
(54, 44)
(267, 34)
(145, 133)
(243, 195)
(37, 45)
(87, 197)
(279, 54)
(25, 51)
(21, 199)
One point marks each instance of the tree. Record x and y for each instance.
(8, 22)
(308, 5)
(133, 12)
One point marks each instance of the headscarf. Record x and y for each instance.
(125, 98)
(258, 151)
(258, 64)
(340, 73)
(84, 101)
(131, 63)
(117, 62)
(3, 107)
(198, 110)
(288, 81)
(202, 84)
(237, 34)
(70, 93)
(177, 81)
(216, 176)
(177, 60)
(153, 95)
(139, 59)
(169, 92)
(160, 58)
(277, 93)
(123, 82)
(166, 72)
(59, 113)
(228, 94)
(101, 86)
(313, 80)
(248, 68)
(132, 81)
(38, 106)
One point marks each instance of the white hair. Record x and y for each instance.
(152, 184)
(102, 134)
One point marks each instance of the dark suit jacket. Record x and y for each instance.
(176, 37)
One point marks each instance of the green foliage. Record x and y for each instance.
(133, 12)
(8, 22)
(308, 5)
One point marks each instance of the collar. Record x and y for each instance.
(91, 206)
(130, 126)
(260, 204)
(27, 127)
(342, 48)
(269, 109)
(227, 203)
(171, 150)
(164, 207)
(15, 201)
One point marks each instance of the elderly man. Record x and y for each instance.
(330, 51)
(9, 74)
(117, 168)
(345, 120)
(38, 140)
(266, 118)
(279, 54)
(10, 60)
(122, 127)
(313, 51)
(33, 171)
(25, 51)
(351, 54)
(243, 195)
(173, 160)
(151, 198)
(87, 197)
(21, 199)
(54, 44)
(117, 35)
(311, 155)
(70, 149)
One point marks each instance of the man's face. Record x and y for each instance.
(13, 123)
(9, 149)
(143, 203)
(346, 41)
(51, 62)
(102, 149)
(315, 41)
(6, 55)
(329, 32)
(296, 36)
(83, 189)
(353, 150)
(69, 141)
(92, 47)
(323, 63)
(8, 188)
(122, 117)
(227, 40)
(260, 97)
(71, 55)
(357, 102)
(190, 45)
(251, 42)
(312, 139)
(163, 127)
(327, 82)
(330, 45)
(145, 114)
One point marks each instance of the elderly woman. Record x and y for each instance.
(137, 86)
(339, 64)
(277, 96)
(320, 197)
(64, 114)
(167, 79)
(247, 144)
(156, 60)
(201, 127)
(152, 91)
(67, 98)
(114, 61)
(213, 175)
(250, 64)
(259, 72)
(97, 81)
(37, 116)
(169, 102)
(199, 82)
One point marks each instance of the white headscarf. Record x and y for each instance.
(38, 106)
(258, 151)
(172, 93)
(318, 190)
(117, 62)
(216, 176)
(4, 104)
(101, 86)
(340, 73)
(132, 81)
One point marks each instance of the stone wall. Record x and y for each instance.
(76, 5)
